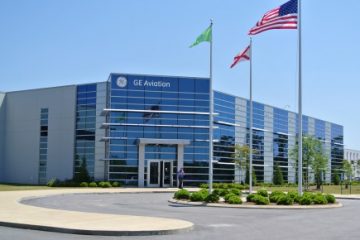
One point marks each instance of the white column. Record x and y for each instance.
(327, 149)
(311, 129)
(268, 144)
(240, 134)
(99, 165)
(291, 146)
(141, 165)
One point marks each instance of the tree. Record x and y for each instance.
(83, 174)
(348, 171)
(314, 157)
(278, 178)
(241, 158)
(336, 176)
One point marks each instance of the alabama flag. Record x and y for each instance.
(242, 56)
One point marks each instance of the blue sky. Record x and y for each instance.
(51, 43)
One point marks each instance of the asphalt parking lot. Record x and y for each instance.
(210, 223)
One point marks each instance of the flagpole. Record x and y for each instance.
(211, 149)
(300, 158)
(251, 125)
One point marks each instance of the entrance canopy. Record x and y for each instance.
(142, 142)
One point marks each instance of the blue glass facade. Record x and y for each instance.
(175, 110)
(274, 136)
(156, 107)
(85, 127)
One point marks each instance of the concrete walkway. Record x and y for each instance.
(15, 214)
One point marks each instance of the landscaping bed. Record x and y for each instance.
(231, 194)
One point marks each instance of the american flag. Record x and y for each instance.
(283, 17)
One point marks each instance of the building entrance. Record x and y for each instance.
(160, 173)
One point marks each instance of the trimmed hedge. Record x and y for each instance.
(212, 198)
(197, 197)
(182, 194)
(260, 200)
(227, 196)
(330, 198)
(92, 184)
(305, 200)
(84, 184)
(263, 193)
(285, 200)
(250, 197)
(275, 195)
(320, 199)
(234, 200)
(235, 191)
(221, 192)
(115, 184)
(104, 184)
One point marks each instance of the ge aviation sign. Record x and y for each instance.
(121, 82)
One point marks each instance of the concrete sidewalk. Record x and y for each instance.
(347, 196)
(15, 214)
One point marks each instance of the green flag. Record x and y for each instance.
(204, 37)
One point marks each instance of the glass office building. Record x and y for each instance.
(141, 129)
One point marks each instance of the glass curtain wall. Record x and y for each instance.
(158, 107)
(85, 128)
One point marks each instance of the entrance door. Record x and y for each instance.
(167, 174)
(159, 173)
(154, 173)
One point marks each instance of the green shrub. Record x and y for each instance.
(262, 192)
(204, 192)
(182, 194)
(295, 196)
(100, 184)
(223, 185)
(105, 185)
(227, 196)
(68, 183)
(84, 184)
(52, 182)
(320, 199)
(236, 186)
(204, 185)
(275, 195)
(115, 184)
(309, 195)
(92, 184)
(197, 197)
(217, 185)
(330, 198)
(250, 197)
(285, 200)
(261, 200)
(305, 200)
(223, 192)
(235, 191)
(234, 200)
(212, 198)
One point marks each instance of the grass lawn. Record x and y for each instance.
(17, 187)
(334, 189)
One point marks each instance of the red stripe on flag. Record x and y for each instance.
(243, 56)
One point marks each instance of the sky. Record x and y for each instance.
(63, 42)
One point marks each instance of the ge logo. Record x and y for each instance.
(121, 82)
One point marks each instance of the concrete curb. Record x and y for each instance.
(94, 232)
(223, 205)
(13, 213)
